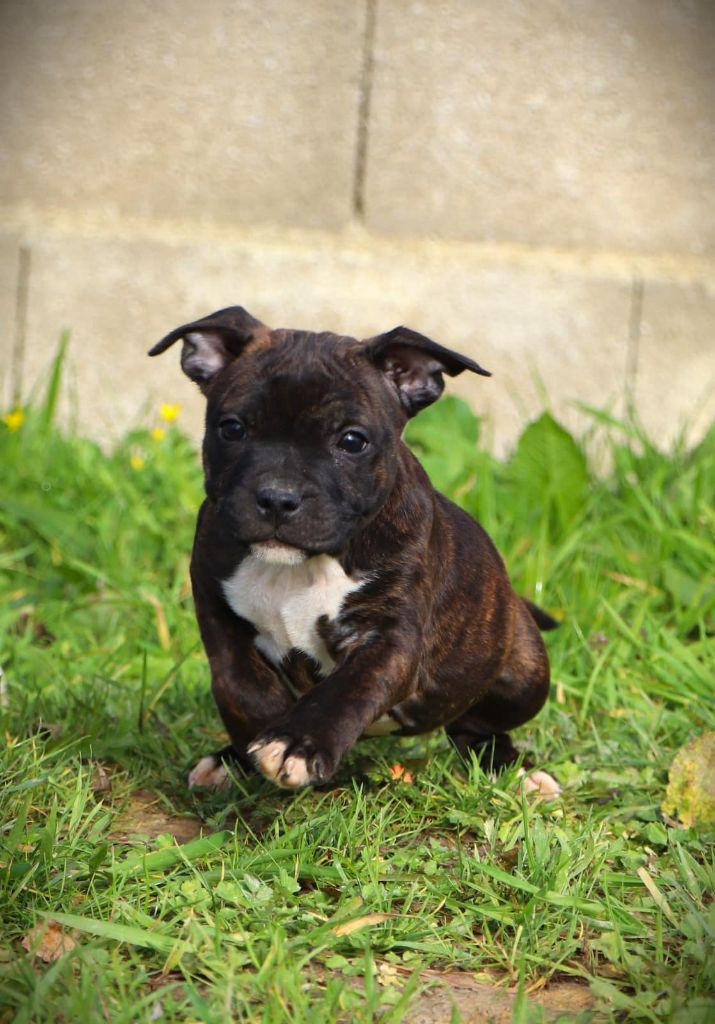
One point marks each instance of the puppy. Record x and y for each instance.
(337, 593)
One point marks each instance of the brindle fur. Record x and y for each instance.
(436, 636)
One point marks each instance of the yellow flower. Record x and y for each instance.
(158, 433)
(14, 420)
(169, 411)
(137, 461)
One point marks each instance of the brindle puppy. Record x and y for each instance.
(337, 593)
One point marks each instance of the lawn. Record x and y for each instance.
(346, 903)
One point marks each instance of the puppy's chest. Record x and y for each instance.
(284, 603)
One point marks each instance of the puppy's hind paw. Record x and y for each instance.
(539, 782)
(210, 772)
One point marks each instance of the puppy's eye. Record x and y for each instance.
(353, 442)
(232, 429)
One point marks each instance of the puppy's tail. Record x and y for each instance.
(542, 619)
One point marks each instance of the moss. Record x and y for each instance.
(691, 784)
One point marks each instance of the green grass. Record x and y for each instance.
(289, 901)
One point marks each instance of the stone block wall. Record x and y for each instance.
(530, 181)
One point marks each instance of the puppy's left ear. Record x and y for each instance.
(211, 342)
(413, 365)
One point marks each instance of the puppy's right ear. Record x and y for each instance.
(212, 342)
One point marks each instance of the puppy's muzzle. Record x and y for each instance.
(277, 504)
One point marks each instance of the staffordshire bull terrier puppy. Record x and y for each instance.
(337, 593)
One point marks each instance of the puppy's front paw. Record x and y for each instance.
(539, 782)
(287, 762)
(211, 772)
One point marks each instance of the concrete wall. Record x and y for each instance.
(528, 180)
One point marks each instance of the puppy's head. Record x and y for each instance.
(302, 429)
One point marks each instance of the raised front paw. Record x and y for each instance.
(290, 762)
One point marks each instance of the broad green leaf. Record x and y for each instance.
(444, 437)
(548, 472)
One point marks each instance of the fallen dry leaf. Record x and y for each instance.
(101, 783)
(388, 975)
(162, 626)
(658, 897)
(633, 581)
(366, 921)
(48, 942)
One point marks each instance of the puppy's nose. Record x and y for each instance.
(277, 503)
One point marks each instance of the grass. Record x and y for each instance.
(328, 904)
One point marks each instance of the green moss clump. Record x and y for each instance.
(691, 782)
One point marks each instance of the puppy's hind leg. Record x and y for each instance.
(470, 734)
(515, 697)
(475, 733)
(211, 772)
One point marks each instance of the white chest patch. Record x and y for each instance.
(284, 602)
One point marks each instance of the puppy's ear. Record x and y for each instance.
(212, 342)
(413, 365)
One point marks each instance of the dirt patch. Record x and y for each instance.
(145, 817)
(475, 1002)
(478, 1003)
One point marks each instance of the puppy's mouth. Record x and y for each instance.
(287, 543)
(275, 552)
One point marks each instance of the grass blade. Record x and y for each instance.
(115, 932)
(49, 405)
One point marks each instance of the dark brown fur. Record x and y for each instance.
(435, 636)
